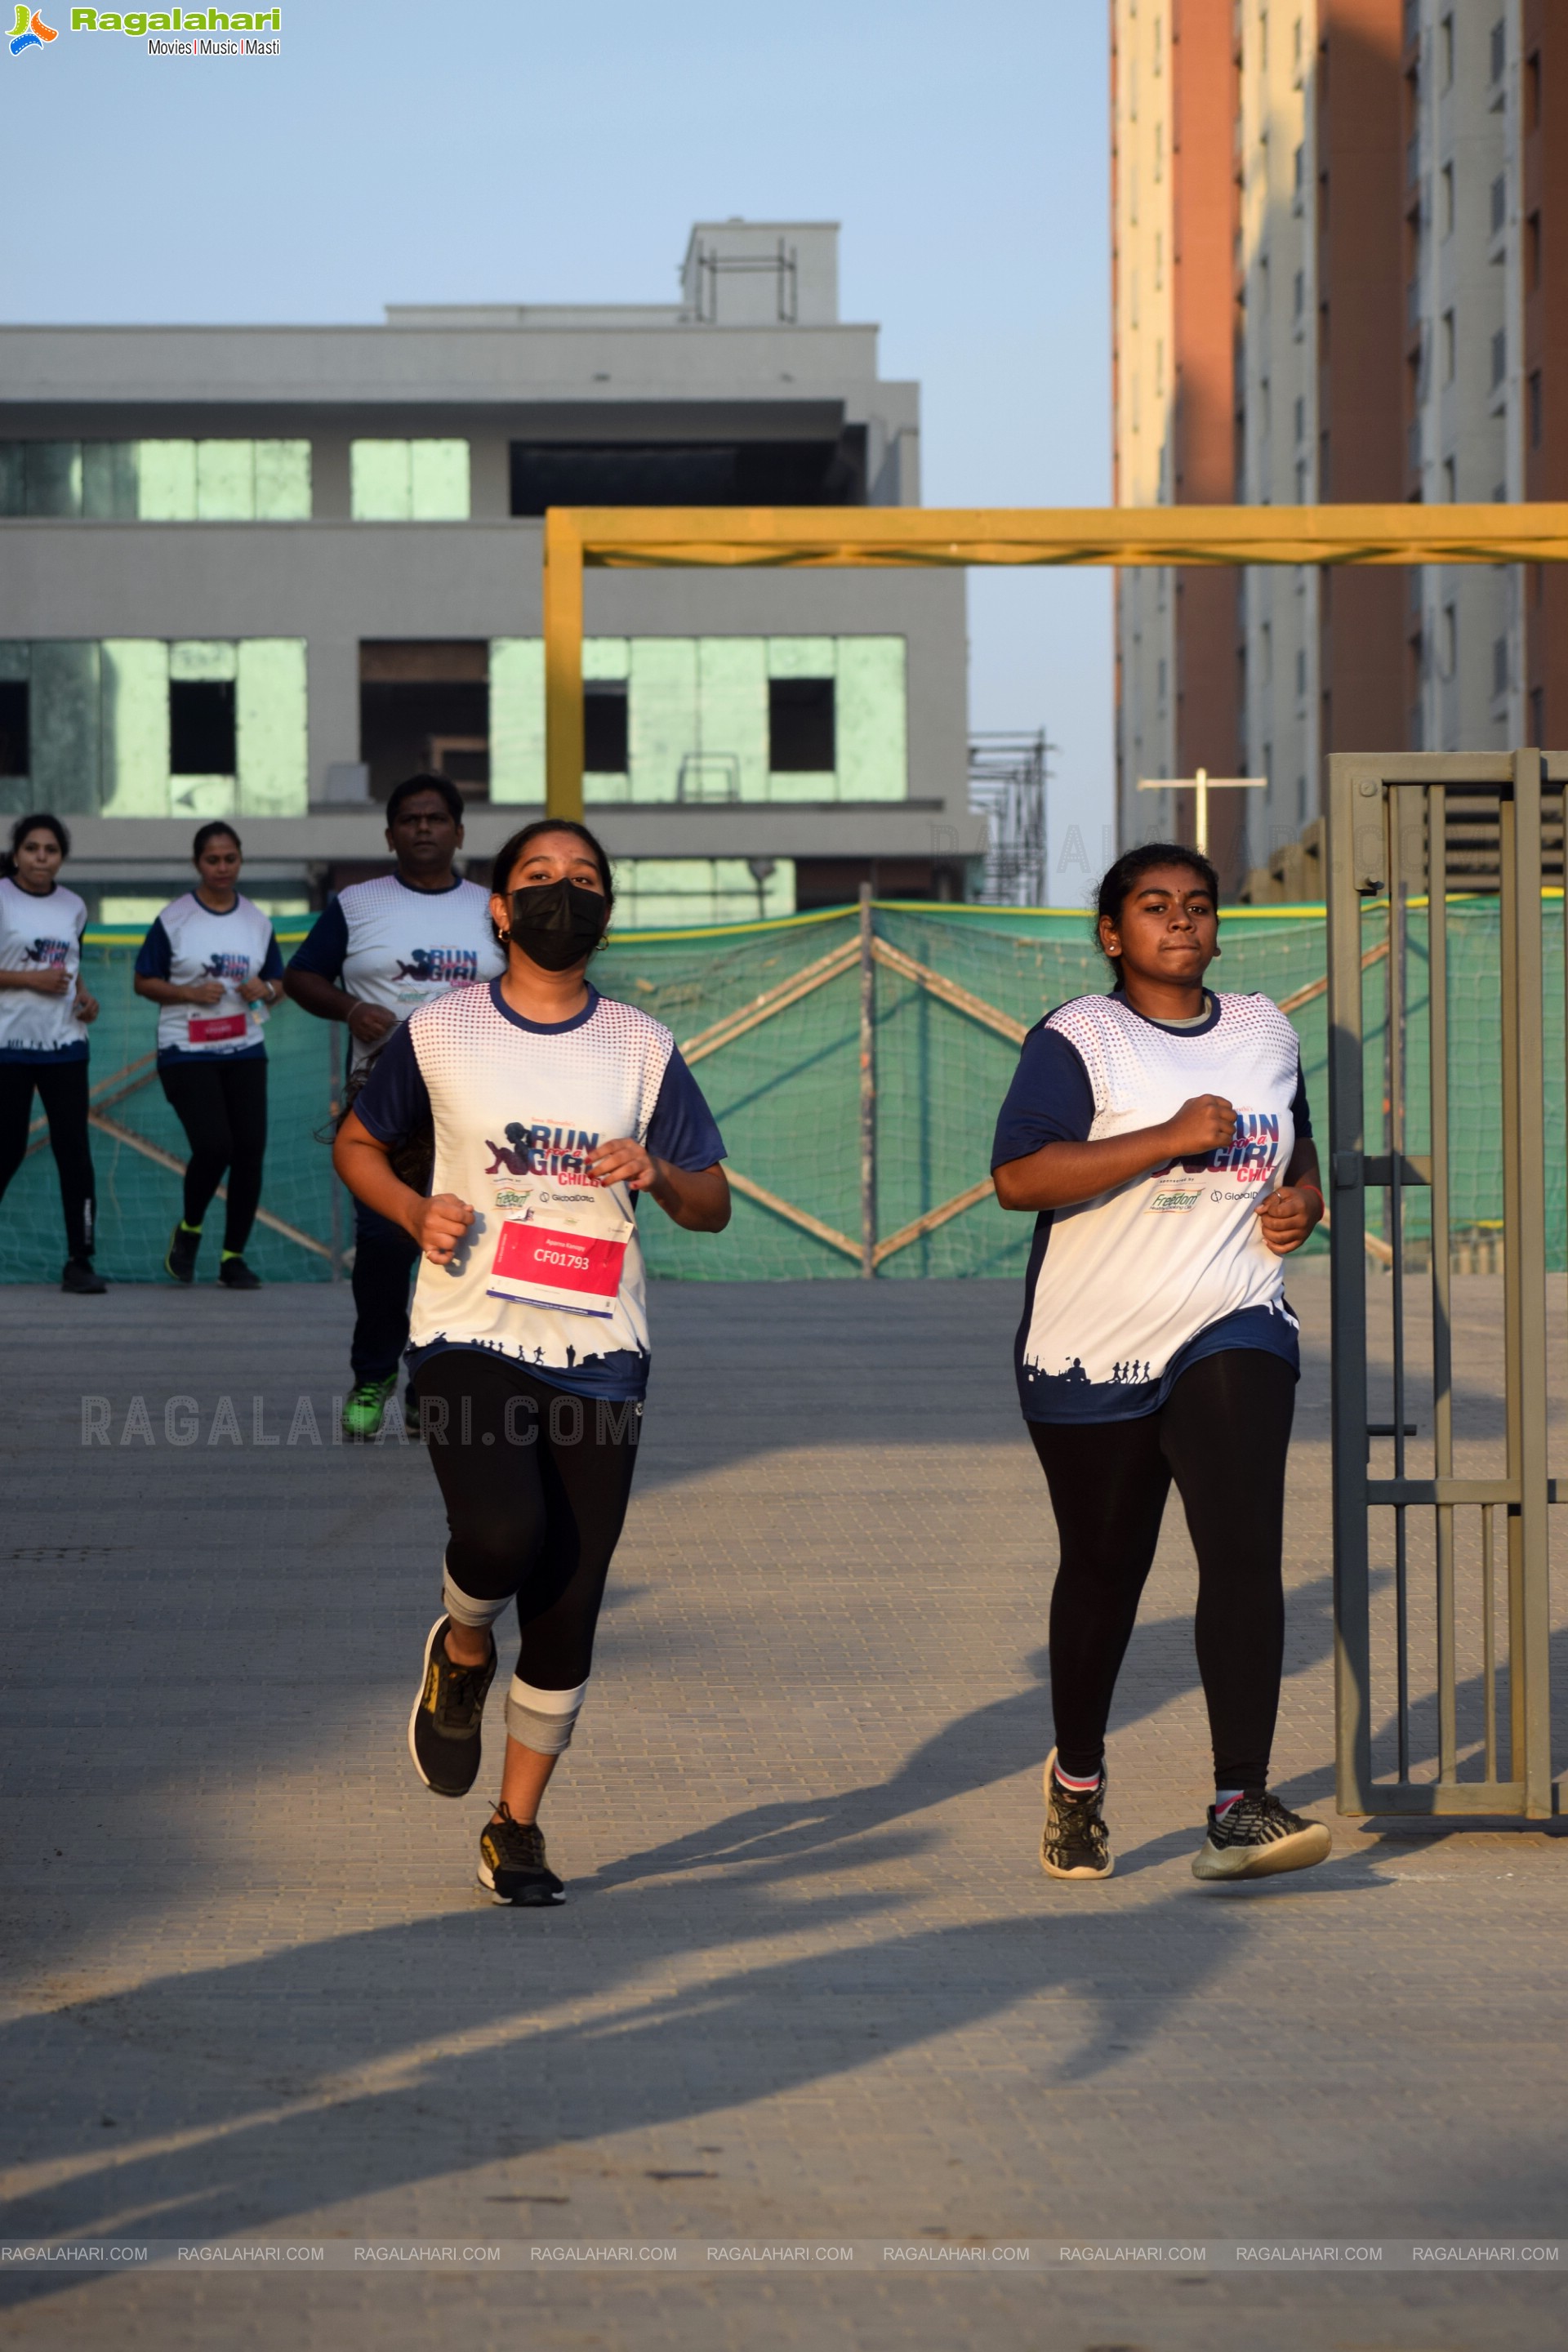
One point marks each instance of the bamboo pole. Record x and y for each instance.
(950, 993)
(868, 946)
(928, 1222)
(787, 1210)
(774, 1000)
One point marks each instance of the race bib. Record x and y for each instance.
(575, 1261)
(215, 1029)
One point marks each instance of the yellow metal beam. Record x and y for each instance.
(833, 538)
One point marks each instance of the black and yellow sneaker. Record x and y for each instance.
(1076, 1843)
(235, 1274)
(513, 1867)
(180, 1258)
(1255, 1835)
(444, 1728)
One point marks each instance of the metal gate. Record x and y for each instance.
(1441, 1622)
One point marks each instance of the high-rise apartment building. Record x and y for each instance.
(1394, 329)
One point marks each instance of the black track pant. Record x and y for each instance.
(62, 1090)
(1221, 1435)
(536, 1485)
(385, 1258)
(222, 1106)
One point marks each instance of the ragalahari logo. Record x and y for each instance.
(30, 32)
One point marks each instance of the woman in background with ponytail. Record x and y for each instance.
(45, 1013)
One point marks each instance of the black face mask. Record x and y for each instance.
(558, 924)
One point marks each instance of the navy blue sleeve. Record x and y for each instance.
(1050, 1099)
(682, 1129)
(325, 946)
(272, 961)
(395, 1101)
(155, 957)
(1299, 1111)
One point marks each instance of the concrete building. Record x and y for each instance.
(1392, 330)
(265, 571)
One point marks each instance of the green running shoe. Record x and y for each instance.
(364, 1408)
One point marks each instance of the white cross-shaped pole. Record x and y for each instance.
(1202, 785)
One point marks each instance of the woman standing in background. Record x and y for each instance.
(45, 1013)
(211, 965)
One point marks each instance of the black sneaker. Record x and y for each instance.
(444, 1728)
(235, 1274)
(1076, 1843)
(81, 1274)
(180, 1260)
(1257, 1836)
(513, 1867)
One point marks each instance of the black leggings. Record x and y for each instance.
(1222, 1434)
(222, 1106)
(536, 1485)
(62, 1090)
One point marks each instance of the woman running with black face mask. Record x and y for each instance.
(45, 1010)
(551, 1108)
(1162, 1134)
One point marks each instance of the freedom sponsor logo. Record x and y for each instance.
(1175, 1200)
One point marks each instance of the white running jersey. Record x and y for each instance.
(189, 942)
(36, 935)
(387, 943)
(1126, 1290)
(551, 1272)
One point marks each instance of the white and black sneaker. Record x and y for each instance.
(1076, 1843)
(512, 1865)
(1255, 1835)
(444, 1728)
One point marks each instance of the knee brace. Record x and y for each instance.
(541, 1719)
(464, 1608)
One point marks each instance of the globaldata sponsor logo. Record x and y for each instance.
(30, 32)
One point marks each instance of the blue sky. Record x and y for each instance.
(402, 150)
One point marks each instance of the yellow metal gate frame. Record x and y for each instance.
(840, 538)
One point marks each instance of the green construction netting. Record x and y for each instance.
(786, 1089)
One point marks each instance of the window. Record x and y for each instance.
(1536, 405)
(14, 727)
(1302, 673)
(1537, 715)
(1532, 253)
(408, 481)
(424, 703)
(1448, 340)
(1300, 414)
(1451, 480)
(1445, 200)
(1531, 89)
(1161, 684)
(1498, 203)
(801, 726)
(1298, 296)
(804, 473)
(1500, 666)
(1157, 46)
(1446, 53)
(1159, 262)
(1450, 640)
(604, 704)
(1266, 650)
(157, 481)
(1159, 150)
(1297, 46)
(1302, 484)
(1499, 48)
(201, 727)
(1500, 357)
(1300, 800)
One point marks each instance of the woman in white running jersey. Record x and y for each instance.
(45, 1011)
(1161, 1136)
(552, 1108)
(211, 965)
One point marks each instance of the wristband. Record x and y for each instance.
(1322, 1204)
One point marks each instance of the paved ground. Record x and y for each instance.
(810, 1983)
